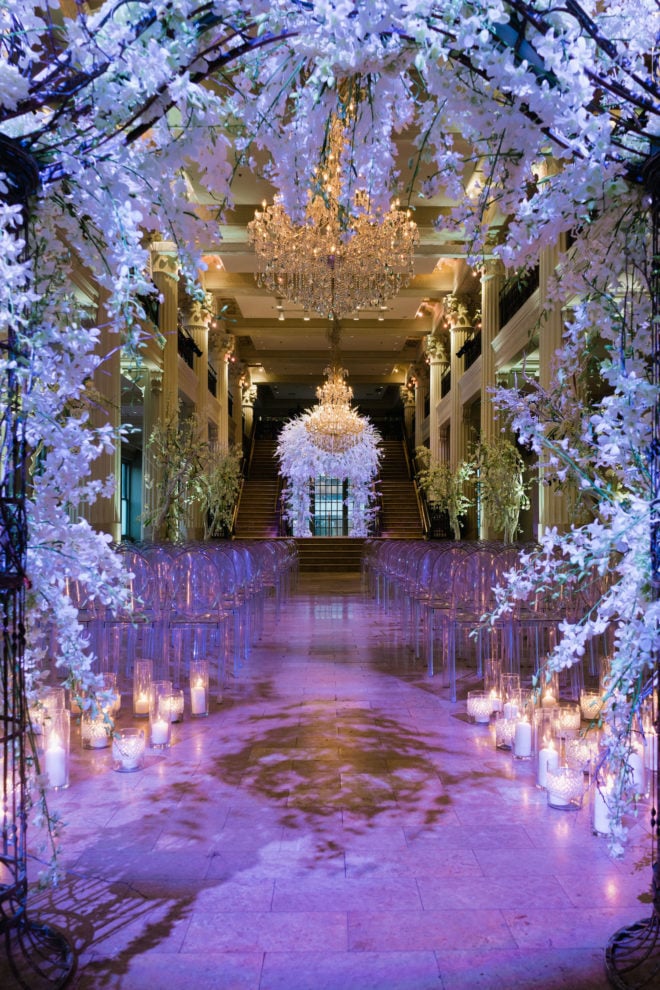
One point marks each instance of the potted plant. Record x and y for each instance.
(445, 487)
(501, 487)
(216, 487)
(176, 454)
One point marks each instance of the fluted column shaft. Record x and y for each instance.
(105, 513)
(457, 444)
(553, 510)
(491, 283)
(166, 277)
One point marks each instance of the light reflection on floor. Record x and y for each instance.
(332, 825)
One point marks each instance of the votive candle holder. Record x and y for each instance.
(142, 679)
(591, 705)
(505, 729)
(57, 748)
(565, 787)
(199, 688)
(160, 727)
(128, 746)
(175, 702)
(479, 706)
(95, 730)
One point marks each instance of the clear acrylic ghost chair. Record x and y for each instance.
(132, 630)
(197, 620)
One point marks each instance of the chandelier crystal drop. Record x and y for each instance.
(332, 424)
(335, 262)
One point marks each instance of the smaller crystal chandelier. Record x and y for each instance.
(334, 263)
(333, 425)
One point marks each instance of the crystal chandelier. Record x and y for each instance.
(334, 263)
(333, 425)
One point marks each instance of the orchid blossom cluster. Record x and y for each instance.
(302, 461)
(558, 108)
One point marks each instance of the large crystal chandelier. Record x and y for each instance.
(333, 425)
(334, 263)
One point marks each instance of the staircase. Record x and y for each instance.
(257, 509)
(400, 513)
(330, 553)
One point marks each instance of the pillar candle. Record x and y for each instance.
(601, 812)
(159, 732)
(548, 760)
(56, 763)
(198, 699)
(522, 740)
(142, 704)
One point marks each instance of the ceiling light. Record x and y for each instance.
(334, 262)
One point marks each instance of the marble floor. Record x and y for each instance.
(334, 824)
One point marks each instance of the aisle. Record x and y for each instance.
(333, 826)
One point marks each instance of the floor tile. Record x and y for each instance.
(334, 823)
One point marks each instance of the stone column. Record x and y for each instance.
(248, 399)
(421, 391)
(104, 515)
(553, 510)
(151, 406)
(438, 363)
(222, 347)
(408, 399)
(195, 318)
(165, 273)
(491, 283)
(457, 447)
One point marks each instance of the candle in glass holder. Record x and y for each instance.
(142, 678)
(602, 799)
(199, 687)
(581, 753)
(174, 704)
(565, 788)
(57, 734)
(110, 685)
(479, 706)
(128, 747)
(567, 720)
(159, 731)
(94, 730)
(591, 705)
(548, 760)
(504, 731)
(522, 740)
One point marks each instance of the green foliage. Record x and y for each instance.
(444, 488)
(216, 487)
(501, 486)
(177, 454)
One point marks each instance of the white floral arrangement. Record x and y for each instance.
(301, 461)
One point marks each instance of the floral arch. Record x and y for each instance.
(302, 461)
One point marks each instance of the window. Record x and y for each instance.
(329, 512)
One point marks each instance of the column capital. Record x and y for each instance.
(491, 269)
(156, 381)
(436, 349)
(194, 313)
(164, 259)
(248, 395)
(407, 394)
